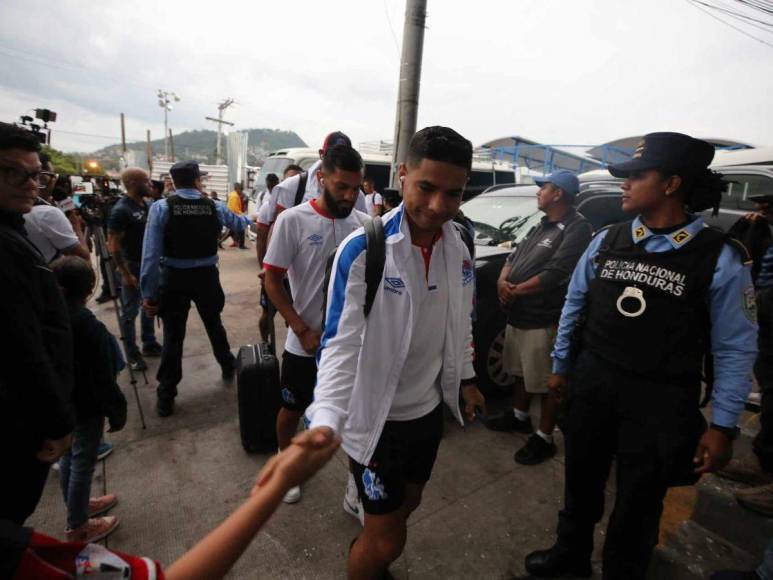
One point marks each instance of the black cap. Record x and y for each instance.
(186, 170)
(666, 151)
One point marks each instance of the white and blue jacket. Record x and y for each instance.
(360, 360)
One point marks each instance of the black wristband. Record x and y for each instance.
(729, 432)
(468, 382)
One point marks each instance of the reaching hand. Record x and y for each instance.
(474, 403)
(309, 451)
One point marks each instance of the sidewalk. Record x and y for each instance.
(481, 514)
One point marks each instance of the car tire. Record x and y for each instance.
(493, 381)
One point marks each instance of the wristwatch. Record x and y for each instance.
(729, 432)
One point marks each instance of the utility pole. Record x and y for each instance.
(220, 110)
(410, 79)
(171, 144)
(150, 154)
(123, 142)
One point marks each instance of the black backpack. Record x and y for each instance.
(301, 188)
(375, 258)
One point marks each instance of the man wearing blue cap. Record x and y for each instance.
(532, 286)
(179, 265)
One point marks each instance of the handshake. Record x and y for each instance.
(309, 452)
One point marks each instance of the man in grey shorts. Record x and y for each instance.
(532, 287)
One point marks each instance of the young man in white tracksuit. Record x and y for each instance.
(304, 238)
(382, 379)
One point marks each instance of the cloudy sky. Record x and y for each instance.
(557, 71)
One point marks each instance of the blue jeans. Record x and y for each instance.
(76, 470)
(765, 571)
(132, 300)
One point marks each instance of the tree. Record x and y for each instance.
(63, 162)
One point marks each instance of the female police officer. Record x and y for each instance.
(654, 296)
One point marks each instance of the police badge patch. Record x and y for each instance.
(749, 303)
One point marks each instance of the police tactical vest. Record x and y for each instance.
(648, 313)
(192, 228)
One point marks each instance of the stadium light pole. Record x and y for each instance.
(165, 99)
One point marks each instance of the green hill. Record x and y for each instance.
(201, 145)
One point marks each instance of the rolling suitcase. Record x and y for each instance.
(259, 394)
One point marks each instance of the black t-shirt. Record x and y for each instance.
(129, 217)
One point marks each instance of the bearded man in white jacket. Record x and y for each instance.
(383, 377)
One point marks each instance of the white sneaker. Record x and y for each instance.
(293, 495)
(352, 503)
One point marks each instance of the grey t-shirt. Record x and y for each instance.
(550, 251)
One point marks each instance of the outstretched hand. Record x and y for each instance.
(309, 451)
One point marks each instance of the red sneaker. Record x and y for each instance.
(99, 505)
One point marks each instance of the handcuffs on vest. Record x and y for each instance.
(635, 294)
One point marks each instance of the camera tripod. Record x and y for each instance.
(104, 254)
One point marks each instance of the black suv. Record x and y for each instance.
(502, 216)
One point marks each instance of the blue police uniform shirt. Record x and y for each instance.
(153, 245)
(731, 308)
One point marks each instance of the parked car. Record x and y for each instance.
(745, 181)
(502, 216)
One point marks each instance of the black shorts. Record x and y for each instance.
(298, 377)
(405, 453)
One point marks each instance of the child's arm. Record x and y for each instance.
(213, 556)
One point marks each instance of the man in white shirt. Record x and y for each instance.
(49, 229)
(287, 191)
(382, 379)
(303, 239)
(374, 203)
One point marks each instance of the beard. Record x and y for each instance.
(336, 208)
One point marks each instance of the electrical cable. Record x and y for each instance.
(741, 30)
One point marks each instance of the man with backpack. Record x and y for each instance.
(303, 239)
(393, 351)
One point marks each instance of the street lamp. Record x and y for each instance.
(165, 99)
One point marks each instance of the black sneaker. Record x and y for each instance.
(557, 562)
(164, 407)
(507, 421)
(535, 451)
(152, 349)
(137, 363)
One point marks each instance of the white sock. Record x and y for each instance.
(520, 415)
(546, 438)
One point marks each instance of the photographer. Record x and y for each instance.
(125, 233)
(51, 230)
(36, 369)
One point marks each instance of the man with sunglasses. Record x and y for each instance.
(52, 232)
(36, 345)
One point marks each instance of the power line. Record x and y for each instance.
(741, 30)
(737, 15)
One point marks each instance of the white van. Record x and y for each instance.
(377, 166)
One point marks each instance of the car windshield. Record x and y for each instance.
(275, 165)
(499, 219)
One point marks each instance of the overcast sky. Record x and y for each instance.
(556, 71)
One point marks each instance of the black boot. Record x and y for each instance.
(558, 561)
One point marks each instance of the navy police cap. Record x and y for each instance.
(666, 151)
(186, 169)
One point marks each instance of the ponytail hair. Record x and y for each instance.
(701, 189)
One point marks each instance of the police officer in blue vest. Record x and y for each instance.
(179, 265)
(647, 301)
